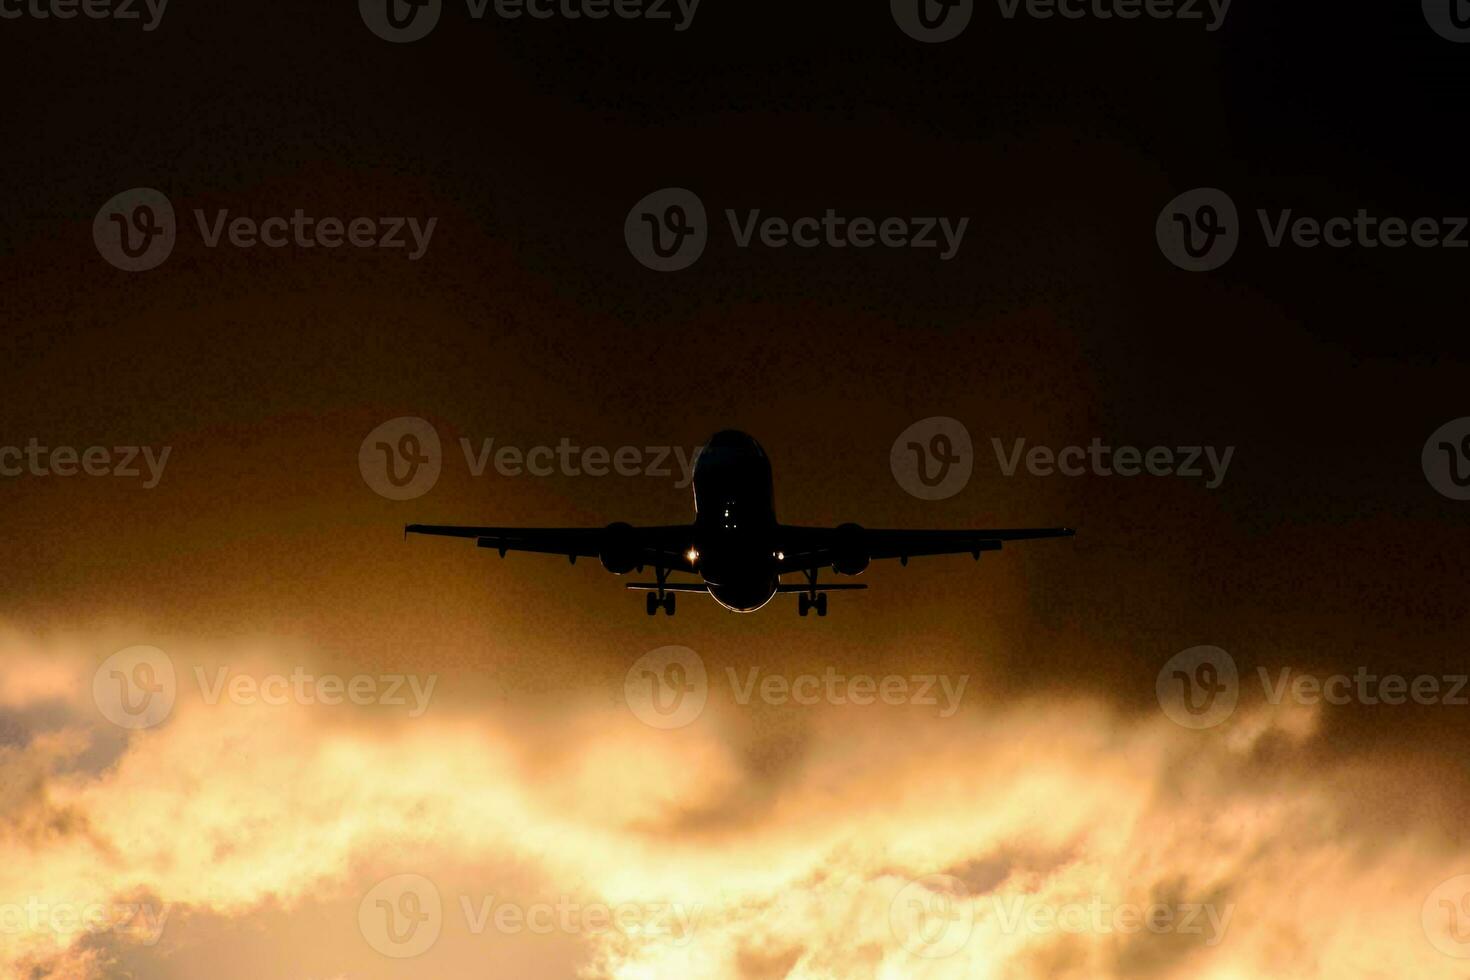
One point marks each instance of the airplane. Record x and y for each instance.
(735, 545)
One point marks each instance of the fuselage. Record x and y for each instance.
(735, 522)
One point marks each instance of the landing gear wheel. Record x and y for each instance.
(653, 604)
(668, 604)
(821, 604)
(803, 605)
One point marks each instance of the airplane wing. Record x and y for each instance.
(620, 545)
(806, 548)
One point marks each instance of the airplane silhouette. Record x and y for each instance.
(735, 544)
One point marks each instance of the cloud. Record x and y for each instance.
(1020, 838)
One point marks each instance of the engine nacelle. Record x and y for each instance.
(619, 550)
(849, 556)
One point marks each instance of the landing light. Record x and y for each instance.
(780, 556)
(692, 555)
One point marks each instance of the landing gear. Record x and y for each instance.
(662, 599)
(807, 601)
(805, 604)
(654, 604)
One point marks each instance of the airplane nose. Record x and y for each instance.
(731, 439)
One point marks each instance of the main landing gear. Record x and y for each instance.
(807, 601)
(662, 599)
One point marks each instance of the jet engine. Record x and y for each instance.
(619, 549)
(849, 555)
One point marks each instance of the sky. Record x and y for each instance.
(247, 729)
